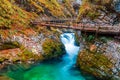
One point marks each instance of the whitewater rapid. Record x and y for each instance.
(68, 39)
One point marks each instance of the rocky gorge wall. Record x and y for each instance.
(40, 44)
(100, 57)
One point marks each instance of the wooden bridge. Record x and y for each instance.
(85, 27)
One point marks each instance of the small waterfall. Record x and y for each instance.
(68, 39)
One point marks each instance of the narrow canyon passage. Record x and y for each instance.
(55, 70)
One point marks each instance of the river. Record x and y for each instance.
(54, 70)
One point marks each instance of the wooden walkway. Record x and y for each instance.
(109, 29)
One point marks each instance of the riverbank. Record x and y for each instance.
(26, 45)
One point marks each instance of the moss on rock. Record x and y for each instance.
(9, 45)
(52, 48)
(95, 63)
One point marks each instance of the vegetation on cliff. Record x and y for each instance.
(92, 9)
(47, 8)
(12, 16)
(70, 12)
(20, 12)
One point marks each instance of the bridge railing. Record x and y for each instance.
(83, 25)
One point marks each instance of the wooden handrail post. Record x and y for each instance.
(97, 30)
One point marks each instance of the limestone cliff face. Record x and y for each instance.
(99, 11)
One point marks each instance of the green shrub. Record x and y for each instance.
(103, 39)
(91, 37)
